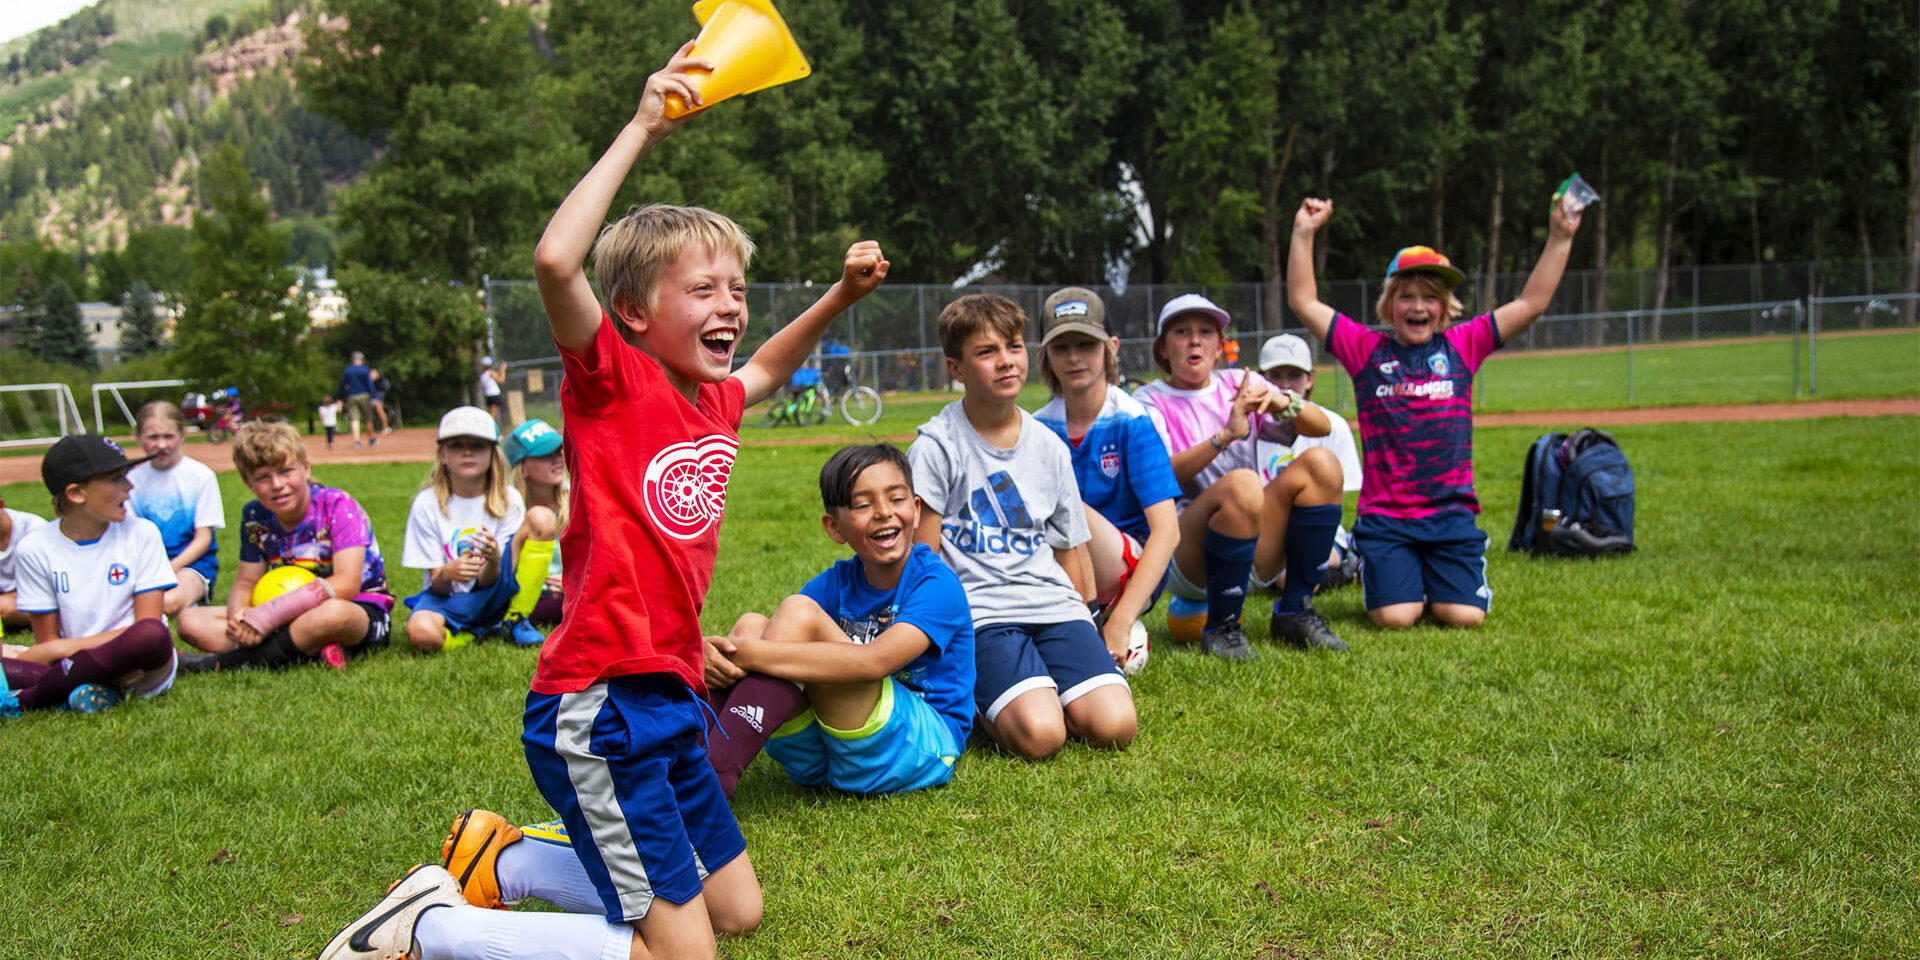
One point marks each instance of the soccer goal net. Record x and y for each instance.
(37, 414)
(114, 404)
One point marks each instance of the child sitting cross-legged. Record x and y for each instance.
(882, 643)
(1000, 502)
(91, 582)
(458, 532)
(294, 522)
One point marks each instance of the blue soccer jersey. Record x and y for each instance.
(930, 597)
(1120, 463)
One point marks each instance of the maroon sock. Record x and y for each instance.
(751, 712)
(144, 646)
(546, 611)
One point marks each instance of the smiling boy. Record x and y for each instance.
(882, 641)
(652, 410)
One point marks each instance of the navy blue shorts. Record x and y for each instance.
(479, 610)
(624, 763)
(1437, 559)
(1013, 658)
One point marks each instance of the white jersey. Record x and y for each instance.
(435, 539)
(178, 501)
(1274, 457)
(92, 584)
(23, 524)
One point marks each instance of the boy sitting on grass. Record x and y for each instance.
(92, 583)
(1000, 503)
(881, 641)
(294, 521)
(614, 725)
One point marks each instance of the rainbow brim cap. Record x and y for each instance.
(1425, 260)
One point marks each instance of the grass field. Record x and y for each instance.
(1706, 749)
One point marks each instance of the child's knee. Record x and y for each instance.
(1031, 734)
(1397, 616)
(541, 522)
(1321, 471)
(1460, 615)
(751, 624)
(740, 914)
(426, 631)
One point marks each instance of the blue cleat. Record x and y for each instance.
(524, 633)
(92, 698)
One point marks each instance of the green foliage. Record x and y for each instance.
(239, 326)
(61, 337)
(140, 326)
(1647, 757)
(418, 333)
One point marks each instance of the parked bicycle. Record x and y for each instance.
(809, 397)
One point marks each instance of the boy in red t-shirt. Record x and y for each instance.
(614, 725)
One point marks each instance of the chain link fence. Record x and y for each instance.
(1760, 320)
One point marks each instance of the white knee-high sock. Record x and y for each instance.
(471, 933)
(549, 871)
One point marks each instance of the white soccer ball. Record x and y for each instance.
(1136, 649)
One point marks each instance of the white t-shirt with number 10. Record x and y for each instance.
(436, 538)
(92, 584)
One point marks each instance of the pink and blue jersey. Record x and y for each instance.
(1416, 415)
(1120, 463)
(334, 522)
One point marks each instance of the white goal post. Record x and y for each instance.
(114, 388)
(28, 410)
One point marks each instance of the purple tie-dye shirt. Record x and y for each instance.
(334, 522)
(1416, 415)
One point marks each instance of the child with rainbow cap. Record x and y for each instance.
(1416, 532)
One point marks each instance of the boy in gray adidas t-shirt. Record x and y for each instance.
(1001, 507)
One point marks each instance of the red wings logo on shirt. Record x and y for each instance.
(686, 485)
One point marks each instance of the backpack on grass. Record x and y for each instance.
(1576, 497)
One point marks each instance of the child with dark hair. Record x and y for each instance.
(91, 583)
(882, 641)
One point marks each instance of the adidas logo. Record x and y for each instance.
(753, 714)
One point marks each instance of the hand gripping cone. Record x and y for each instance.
(750, 47)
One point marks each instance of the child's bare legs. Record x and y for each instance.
(1231, 508)
(335, 621)
(426, 630)
(842, 706)
(1032, 726)
(729, 903)
(1108, 551)
(1104, 717)
(205, 628)
(191, 590)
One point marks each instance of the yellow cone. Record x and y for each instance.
(750, 47)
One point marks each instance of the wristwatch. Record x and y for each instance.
(1218, 447)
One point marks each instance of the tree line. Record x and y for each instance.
(1151, 141)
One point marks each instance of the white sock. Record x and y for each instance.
(471, 933)
(550, 871)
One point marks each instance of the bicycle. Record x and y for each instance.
(802, 406)
(860, 405)
(809, 398)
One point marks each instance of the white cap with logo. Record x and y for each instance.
(1192, 303)
(1286, 350)
(469, 422)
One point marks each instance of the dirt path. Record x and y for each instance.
(416, 445)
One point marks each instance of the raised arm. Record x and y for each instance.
(559, 262)
(1512, 318)
(1303, 294)
(785, 351)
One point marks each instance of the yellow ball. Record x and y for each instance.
(1186, 619)
(281, 580)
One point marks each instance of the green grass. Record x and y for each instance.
(1705, 749)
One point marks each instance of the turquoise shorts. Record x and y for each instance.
(905, 745)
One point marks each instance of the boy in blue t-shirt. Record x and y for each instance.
(882, 641)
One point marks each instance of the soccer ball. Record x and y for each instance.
(1136, 657)
(279, 581)
(1186, 619)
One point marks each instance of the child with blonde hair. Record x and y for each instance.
(182, 497)
(1420, 548)
(458, 532)
(294, 522)
(539, 472)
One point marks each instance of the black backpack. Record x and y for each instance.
(1576, 497)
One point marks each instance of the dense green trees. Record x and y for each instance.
(62, 337)
(140, 332)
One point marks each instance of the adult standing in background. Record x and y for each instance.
(356, 388)
(380, 384)
(492, 377)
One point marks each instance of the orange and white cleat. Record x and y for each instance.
(472, 852)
